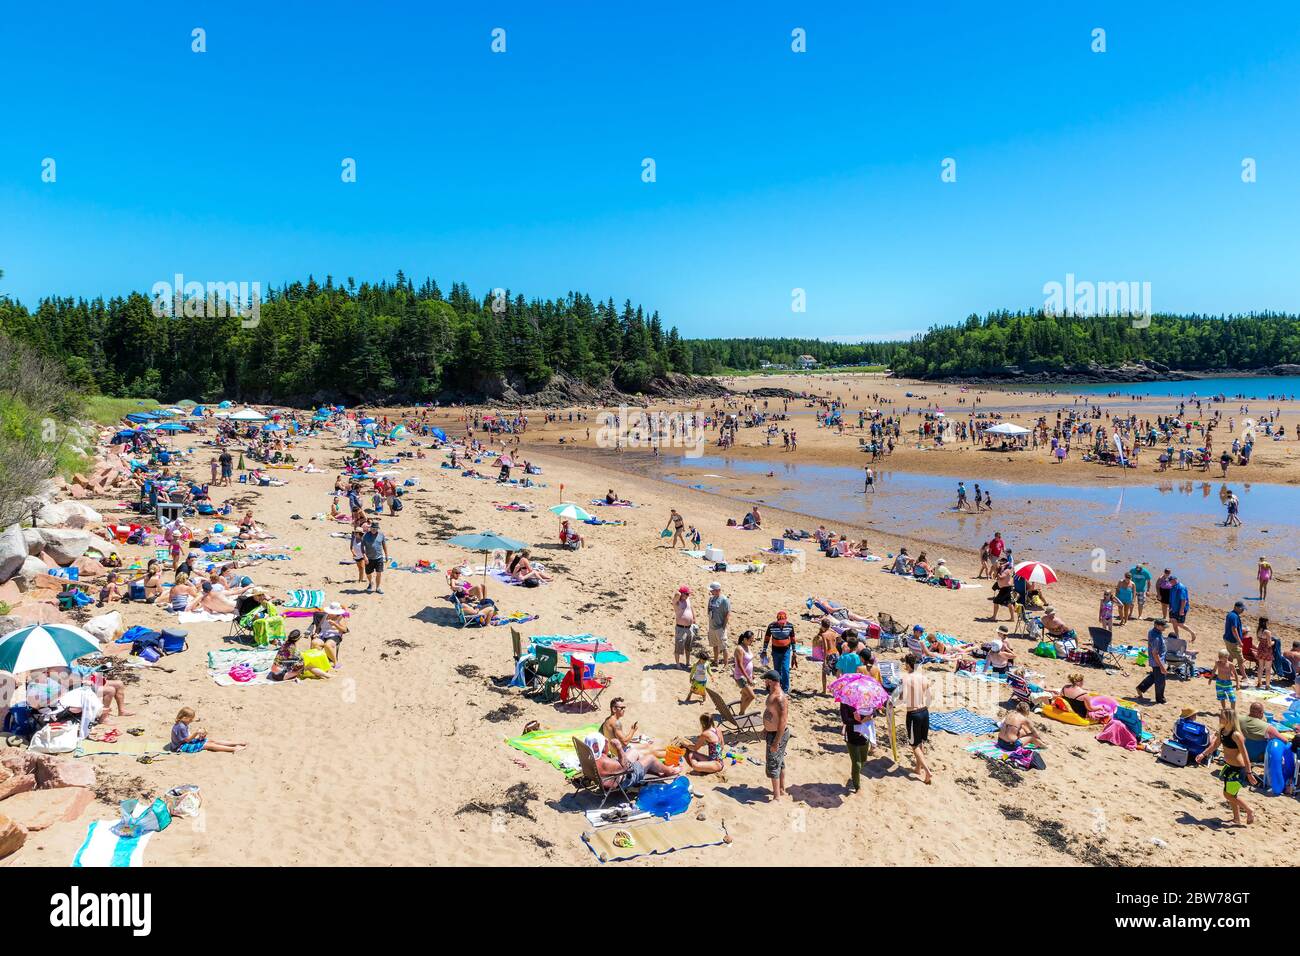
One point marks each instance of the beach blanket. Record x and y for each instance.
(567, 644)
(132, 746)
(963, 721)
(202, 617)
(653, 839)
(602, 503)
(259, 659)
(103, 847)
(989, 750)
(995, 679)
(515, 617)
(738, 568)
(303, 599)
(692, 554)
(554, 746)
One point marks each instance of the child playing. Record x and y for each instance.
(111, 591)
(1106, 612)
(185, 741)
(699, 677)
(1225, 681)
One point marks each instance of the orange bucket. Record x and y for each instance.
(673, 756)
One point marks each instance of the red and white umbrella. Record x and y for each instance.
(1035, 572)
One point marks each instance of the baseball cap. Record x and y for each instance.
(715, 586)
(683, 590)
(782, 616)
(772, 675)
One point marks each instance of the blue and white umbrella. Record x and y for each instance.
(44, 645)
(361, 444)
(273, 427)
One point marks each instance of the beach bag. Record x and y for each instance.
(531, 583)
(56, 738)
(1131, 719)
(184, 800)
(173, 641)
(151, 654)
(1027, 759)
(396, 506)
(1045, 649)
(20, 720)
(1173, 753)
(140, 817)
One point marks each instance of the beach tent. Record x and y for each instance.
(438, 433)
(225, 404)
(398, 432)
(123, 437)
(361, 444)
(248, 415)
(186, 403)
(1006, 428)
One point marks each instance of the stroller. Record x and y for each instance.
(1180, 663)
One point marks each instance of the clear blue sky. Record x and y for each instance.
(775, 170)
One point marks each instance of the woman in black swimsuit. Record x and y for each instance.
(1074, 695)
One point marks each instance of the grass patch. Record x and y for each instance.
(109, 411)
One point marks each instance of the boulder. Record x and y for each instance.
(10, 593)
(12, 836)
(54, 772)
(33, 612)
(69, 514)
(13, 549)
(12, 782)
(32, 569)
(17, 759)
(41, 809)
(89, 568)
(105, 627)
(65, 545)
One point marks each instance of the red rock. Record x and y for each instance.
(12, 836)
(40, 809)
(12, 782)
(54, 772)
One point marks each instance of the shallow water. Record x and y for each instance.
(1257, 388)
(1092, 530)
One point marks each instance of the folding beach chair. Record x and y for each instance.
(241, 629)
(889, 631)
(778, 545)
(1255, 750)
(750, 723)
(607, 784)
(1101, 644)
(890, 676)
(1020, 691)
(585, 690)
(1179, 661)
(545, 675)
(477, 616)
(516, 643)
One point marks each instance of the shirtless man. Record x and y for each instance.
(629, 769)
(612, 728)
(776, 715)
(1002, 596)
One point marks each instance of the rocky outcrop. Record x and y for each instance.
(1089, 373)
(563, 391)
(13, 552)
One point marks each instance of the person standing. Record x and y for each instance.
(719, 615)
(742, 669)
(855, 725)
(1164, 585)
(1156, 658)
(914, 697)
(1264, 644)
(678, 526)
(374, 545)
(870, 481)
(776, 732)
(683, 625)
(780, 637)
(1236, 764)
(1179, 604)
(227, 463)
(1263, 574)
(1232, 633)
(1141, 576)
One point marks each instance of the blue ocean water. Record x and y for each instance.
(1264, 387)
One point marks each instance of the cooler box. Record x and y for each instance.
(715, 555)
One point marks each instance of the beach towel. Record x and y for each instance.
(258, 659)
(554, 746)
(602, 503)
(132, 746)
(738, 568)
(517, 617)
(963, 721)
(601, 650)
(303, 599)
(103, 847)
(653, 839)
(990, 750)
(202, 617)
(1119, 735)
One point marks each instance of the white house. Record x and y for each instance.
(807, 361)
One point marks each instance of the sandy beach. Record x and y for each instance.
(399, 758)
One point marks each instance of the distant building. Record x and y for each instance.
(765, 365)
(807, 361)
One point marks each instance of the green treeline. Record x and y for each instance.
(1038, 342)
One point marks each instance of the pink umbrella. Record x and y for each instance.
(1035, 572)
(859, 691)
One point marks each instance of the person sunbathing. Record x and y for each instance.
(705, 754)
(462, 588)
(1000, 658)
(180, 595)
(1016, 725)
(630, 768)
(1076, 697)
(212, 601)
(842, 613)
(524, 569)
(570, 538)
(1054, 626)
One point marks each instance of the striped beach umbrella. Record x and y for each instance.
(44, 645)
(570, 511)
(1035, 572)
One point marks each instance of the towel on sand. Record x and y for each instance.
(305, 599)
(134, 746)
(259, 659)
(103, 847)
(600, 649)
(554, 746)
(201, 617)
(653, 838)
(962, 721)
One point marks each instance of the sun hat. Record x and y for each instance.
(334, 608)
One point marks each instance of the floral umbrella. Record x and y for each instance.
(860, 691)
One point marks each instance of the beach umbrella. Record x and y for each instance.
(273, 427)
(487, 542)
(361, 444)
(1035, 572)
(860, 691)
(398, 432)
(44, 645)
(248, 415)
(172, 427)
(570, 511)
(438, 433)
